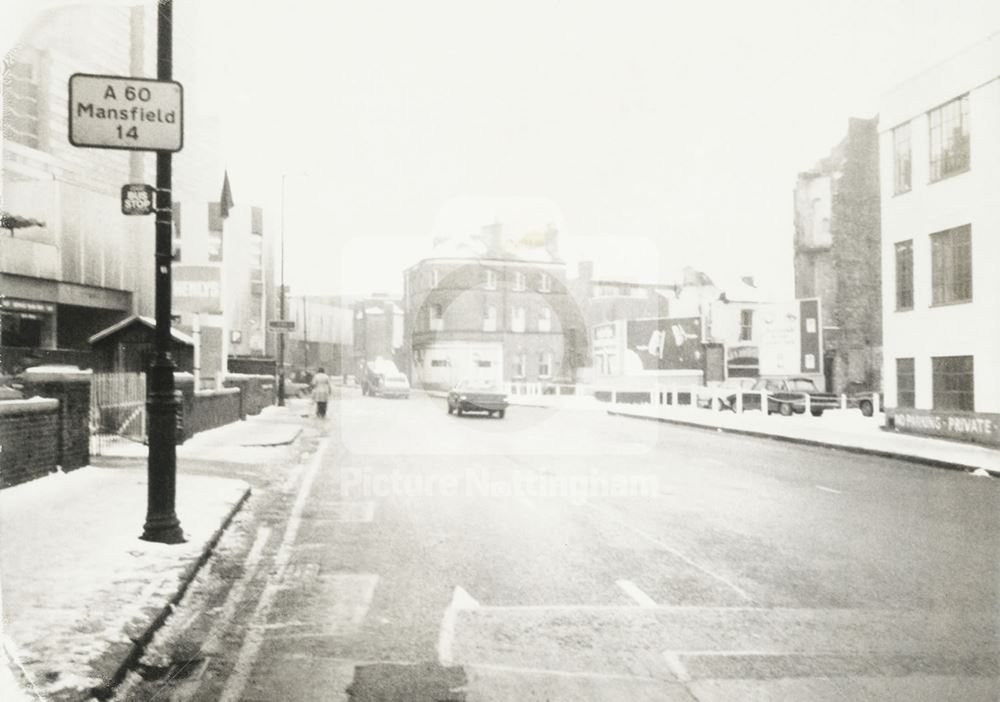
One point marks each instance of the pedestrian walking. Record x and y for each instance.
(321, 389)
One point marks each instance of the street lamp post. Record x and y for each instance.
(162, 405)
(281, 293)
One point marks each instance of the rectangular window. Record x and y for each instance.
(519, 281)
(435, 314)
(901, 158)
(490, 319)
(439, 363)
(484, 364)
(953, 386)
(214, 232)
(20, 104)
(905, 384)
(951, 265)
(949, 138)
(256, 220)
(746, 325)
(545, 364)
(435, 277)
(520, 365)
(904, 275)
(545, 283)
(517, 319)
(545, 320)
(490, 283)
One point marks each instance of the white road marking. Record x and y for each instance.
(237, 682)
(826, 489)
(585, 674)
(679, 670)
(657, 542)
(235, 595)
(460, 600)
(633, 591)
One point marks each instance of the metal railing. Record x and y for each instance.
(117, 410)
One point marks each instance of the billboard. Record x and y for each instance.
(197, 288)
(791, 338)
(665, 344)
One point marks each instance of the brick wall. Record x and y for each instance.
(26, 447)
(256, 392)
(184, 383)
(213, 408)
(72, 390)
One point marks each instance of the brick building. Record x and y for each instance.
(838, 255)
(486, 307)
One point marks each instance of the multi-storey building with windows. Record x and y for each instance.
(837, 252)
(72, 264)
(940, 165)
(482, 307)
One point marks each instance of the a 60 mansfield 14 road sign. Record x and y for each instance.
(116, 112)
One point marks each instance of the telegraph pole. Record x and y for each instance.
(281, 336)
(162, 524)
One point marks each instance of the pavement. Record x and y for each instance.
(846, 430)
(81, 593)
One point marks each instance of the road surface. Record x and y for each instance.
(399, 553)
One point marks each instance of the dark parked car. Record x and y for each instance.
(477, 396)
(787, 396)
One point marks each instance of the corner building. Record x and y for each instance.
(488, 308)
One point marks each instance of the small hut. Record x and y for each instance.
(128, 347)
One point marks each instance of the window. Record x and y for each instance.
(951, 266)
(520, 365)
(545, 283)
(484, 364)
(746, 325)
(26, 330)
(949, 138)
(435, 317)
(517, 319)
(904, 275)
(490, 318)
(519, 281)
(439, 363)
(214, 232)
(545, 364)
(905, 385)
(20, 104)
(953, 383)
(545, 320)
(491, 280)
(435, 277)
(901, 158)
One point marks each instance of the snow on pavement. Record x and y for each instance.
(77, 582)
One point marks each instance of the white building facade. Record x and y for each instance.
(940, 170)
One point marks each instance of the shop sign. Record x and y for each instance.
(976, 427)
(7, 303)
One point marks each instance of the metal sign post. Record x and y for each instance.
(162, 524)
(140, 114)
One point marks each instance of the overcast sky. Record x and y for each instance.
(666, 133)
